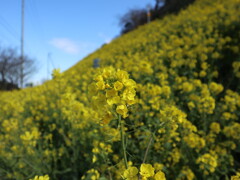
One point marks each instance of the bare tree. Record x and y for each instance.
(132, 19)
(158, 4)
(10, 66)
(136, 17)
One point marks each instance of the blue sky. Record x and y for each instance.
(59, 33)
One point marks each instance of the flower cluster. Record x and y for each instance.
(208, 162)
(146, 171)
(46, 177)
(113, 92)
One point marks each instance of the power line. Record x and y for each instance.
(9, 28)
(36, 19)
(32, 10)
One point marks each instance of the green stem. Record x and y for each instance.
(146, 152)
(205, 123)
(110, 175)
(123, 142)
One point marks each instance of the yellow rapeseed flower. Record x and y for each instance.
(111, 93)
(118, 86)
(236, 177)
(122, 110)
(46, 177)
(146, 170)
(100, 85)
(131, 173)
(159, 176)
(215, 127)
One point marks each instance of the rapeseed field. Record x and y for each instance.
(163, 104)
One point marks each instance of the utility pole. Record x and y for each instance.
(22, 47)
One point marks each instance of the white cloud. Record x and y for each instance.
(66, 45)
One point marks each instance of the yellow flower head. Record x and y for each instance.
(158, 166)
(56, 73)
(215, 127)
(236, 177)
(131, 173)
(46, 177)
(100, 85)
(122, 110)
(118, 86)
(129, 83)
(121, 75)
(146, 170)
(107, 72)
(107, 118)
(160, 176)
(111, 93)
(129, 94)
(113, 100)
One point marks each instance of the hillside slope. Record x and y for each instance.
(165, 102)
